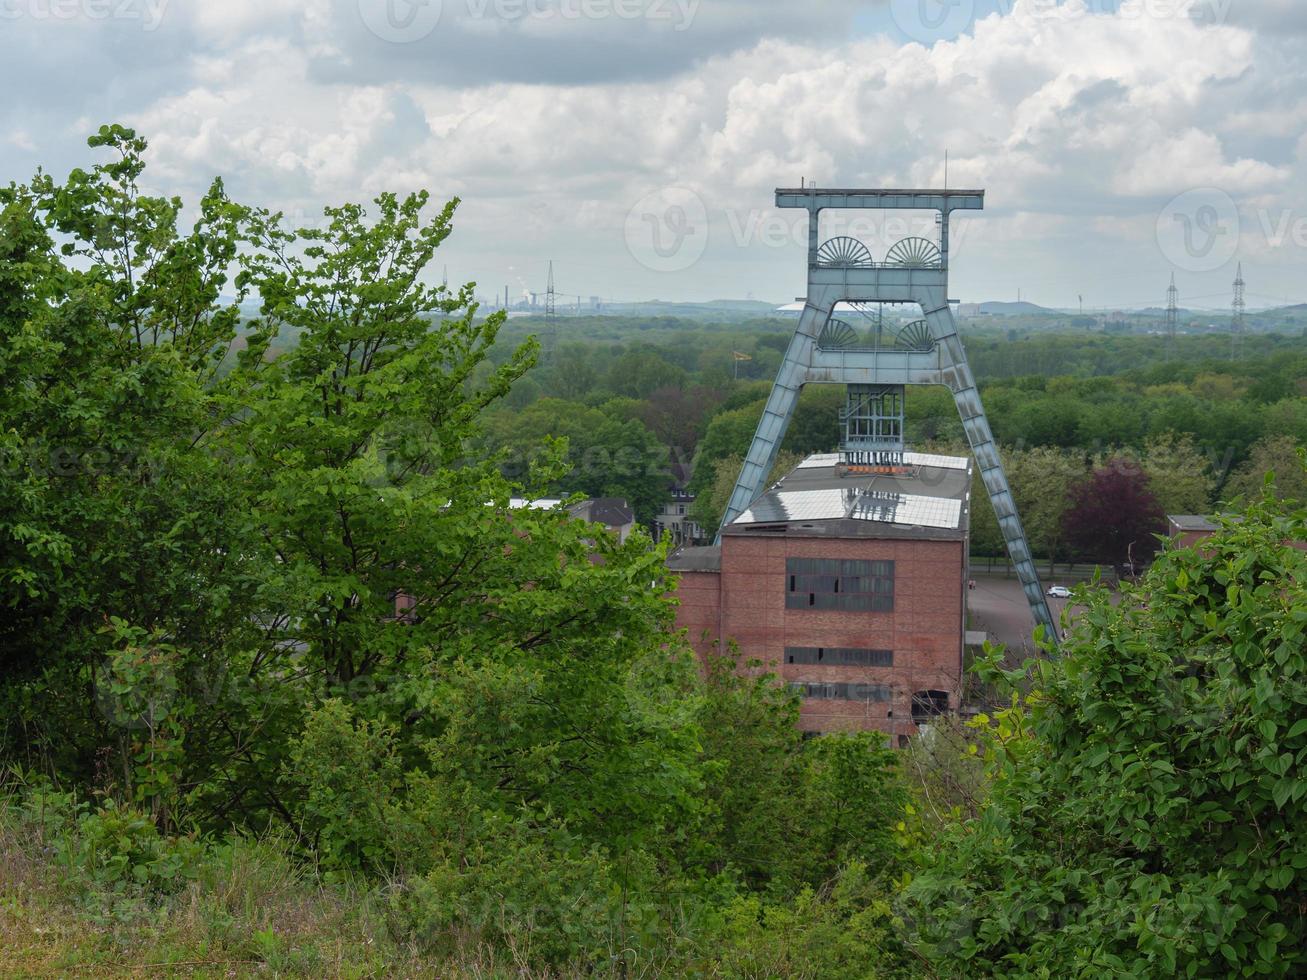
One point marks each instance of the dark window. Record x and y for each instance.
(927, 704)
(839, 583)
(843, 692)
(839, 656)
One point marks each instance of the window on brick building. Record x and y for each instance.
(848, 584)
(842, 692)
(839, 656)
(928, 704)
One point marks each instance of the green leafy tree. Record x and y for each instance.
(608, 455)
(638, 373)
(1147, 811)
(1042, 479)
(1274, 454)
(111, 345)
(509, 672)
(1177, 474)
(710, 504)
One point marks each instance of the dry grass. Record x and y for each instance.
(249, 912)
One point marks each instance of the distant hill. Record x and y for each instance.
(995, 308)
(743, 305)
(733, 308)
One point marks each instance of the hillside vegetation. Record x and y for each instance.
(287, 686)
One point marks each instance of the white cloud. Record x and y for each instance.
(1080, 127)
(1199, 160)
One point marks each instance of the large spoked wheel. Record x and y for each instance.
(914, 253)
(844, 253)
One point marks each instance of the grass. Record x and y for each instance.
(244, 910)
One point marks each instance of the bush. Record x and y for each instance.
(847, 930)
(108, 856)
(535, 890)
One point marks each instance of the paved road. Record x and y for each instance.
(998, 606)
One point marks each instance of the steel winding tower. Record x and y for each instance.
(927, 352)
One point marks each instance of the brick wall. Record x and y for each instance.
(699, 594)
(924, 631)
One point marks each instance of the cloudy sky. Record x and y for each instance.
(637, 143)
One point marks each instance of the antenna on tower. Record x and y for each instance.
(1236, 319)
(1172, 312)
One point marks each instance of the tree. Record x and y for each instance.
(570, 374)
(1146, 812)
(1114, 516)
(639, 372)
(111, 349)
(1041, 479)
(1274, 454)
(677, 416)
(608, 456)
(1177, 474)
(710, 505)
(513, 681)
(728, 434)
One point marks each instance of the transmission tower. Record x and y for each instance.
(1172, 312)
(1236, 318)
(550, 338)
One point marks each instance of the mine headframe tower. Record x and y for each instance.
(928, 351)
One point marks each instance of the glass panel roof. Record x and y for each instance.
(824, 505)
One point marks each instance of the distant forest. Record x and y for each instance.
(650, 403)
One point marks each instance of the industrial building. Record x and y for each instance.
(849, 582)
(849, 576)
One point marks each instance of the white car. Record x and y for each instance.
(1059, 592)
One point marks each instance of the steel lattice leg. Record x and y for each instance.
(776, 416)
(990, 464)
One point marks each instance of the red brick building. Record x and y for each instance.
(1189, 529)
(850, 585)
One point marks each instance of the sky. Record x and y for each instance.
(638, 143)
